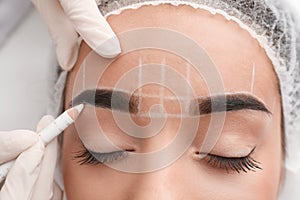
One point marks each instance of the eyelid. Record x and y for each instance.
(229, 155)
(232, 157)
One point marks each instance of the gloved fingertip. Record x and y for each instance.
(109, 49)
(46, 120)
(67, 57)
(12, 143)
(18, 140)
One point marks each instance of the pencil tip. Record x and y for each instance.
(79, 108)
(75, 111)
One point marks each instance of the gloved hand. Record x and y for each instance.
(31, 177)
(66, 18)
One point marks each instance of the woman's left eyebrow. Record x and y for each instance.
(229, 103)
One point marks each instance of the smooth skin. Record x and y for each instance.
(236, 54)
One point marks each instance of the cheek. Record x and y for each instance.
(266, 182)
(90, 181)
(76, 177)
(273, 162)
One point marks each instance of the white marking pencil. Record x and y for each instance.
(49, 133)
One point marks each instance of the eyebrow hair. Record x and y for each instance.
(103, 98)
(230, 102)
(129, 103)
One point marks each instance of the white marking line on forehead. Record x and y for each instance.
(188, 89)
(140, 83)
(253, 78)
(183, 98)
(164, 115)
(153, 96)
(163, 80)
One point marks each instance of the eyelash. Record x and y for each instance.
(236, 164)
(241, 164)
(86, 157)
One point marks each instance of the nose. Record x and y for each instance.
(156, 185)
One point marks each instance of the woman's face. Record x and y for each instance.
(245, 161)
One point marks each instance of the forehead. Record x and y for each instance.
(239, 59)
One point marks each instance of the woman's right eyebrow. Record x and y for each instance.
(106, 98)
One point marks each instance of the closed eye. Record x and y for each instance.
(92, 158)
(237, 164)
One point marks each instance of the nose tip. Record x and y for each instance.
(155, 185)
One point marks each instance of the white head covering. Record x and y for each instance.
(271, 23)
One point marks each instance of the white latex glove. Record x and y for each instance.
(31, 177)
(66, 18)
